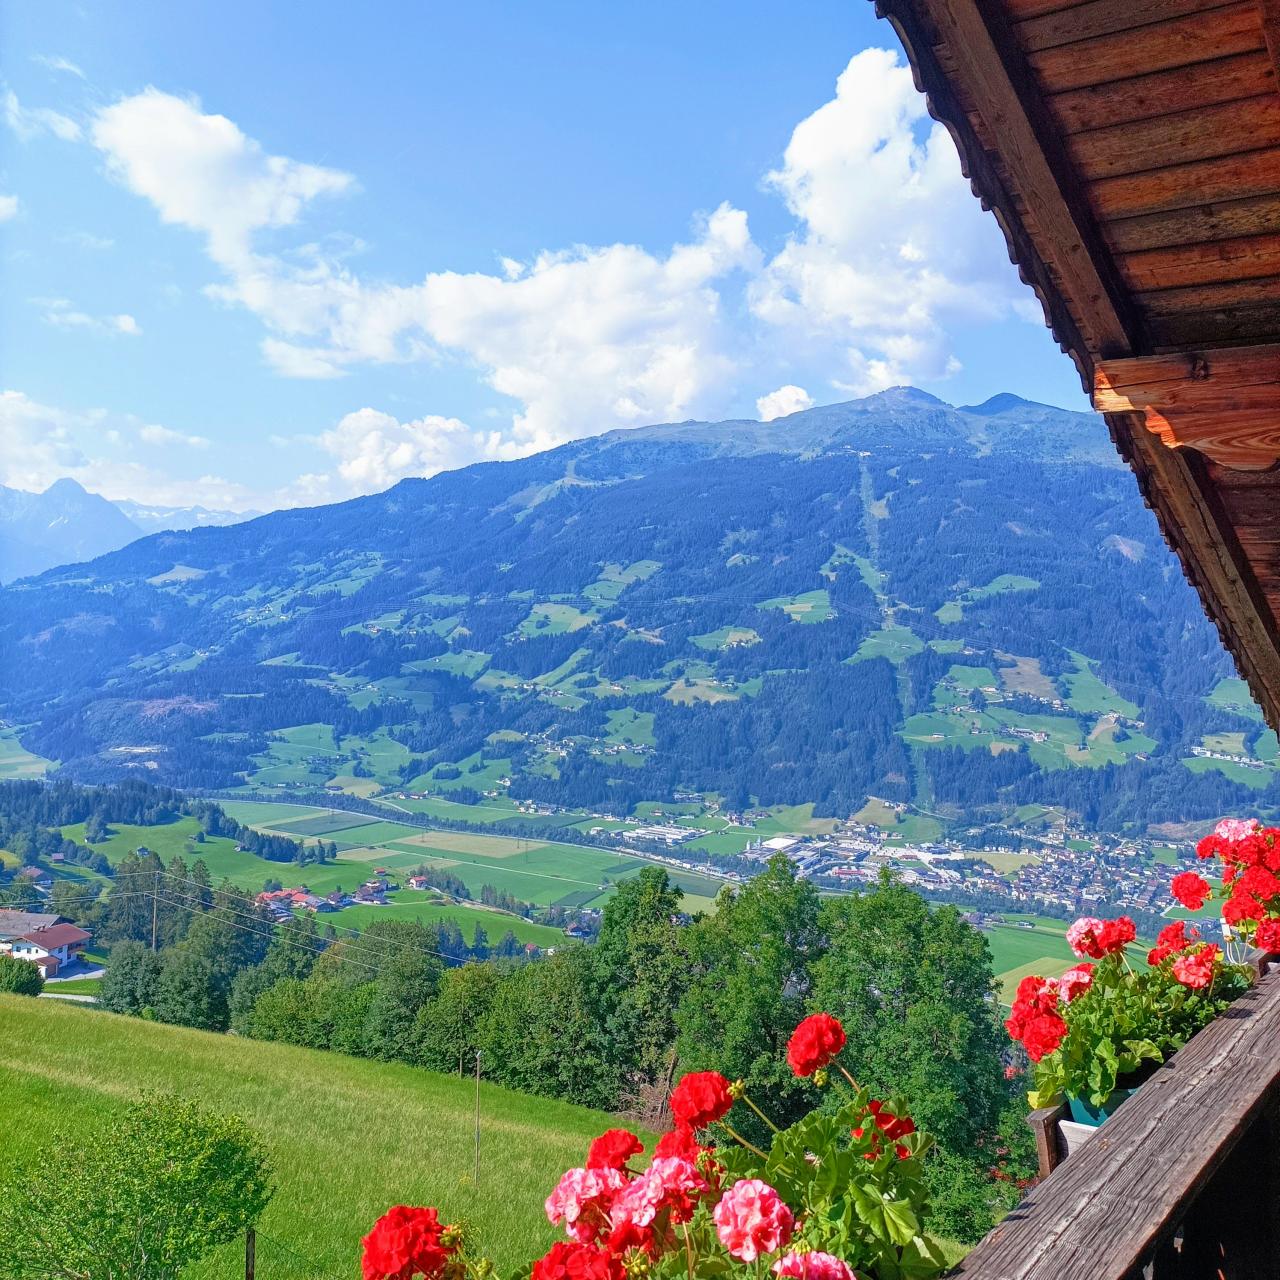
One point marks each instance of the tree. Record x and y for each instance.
(751, 964)
(447, 1029)
(71, 898)
(188, 992)
(914, 989)
(132, 978)
(20, 977)
(154, 1192)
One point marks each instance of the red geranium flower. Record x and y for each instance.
(405, 1242)
(612, 1150)
(1191, 890)
(1241, 907)
(1170, 940)
(814, 1043)
(1268, 935)
(1043, 1034)
(1116, 934)
(1196, 971)
(573, 1261)
(1259, 883)
(700, 1099)
(681, 1142)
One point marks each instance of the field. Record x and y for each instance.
(1042, 949)
(16, 761)
(895, 643)
(347, 1138)
(410, 905)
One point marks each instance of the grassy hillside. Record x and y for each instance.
(348, 1138)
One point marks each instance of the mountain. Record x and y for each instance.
(66, 525)
(150, 518)
(63, 524)
(885, 607)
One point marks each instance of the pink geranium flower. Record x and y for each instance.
(812, 1266)
(752, 1219)
(668, 1183)
(582, 1201)
(1234, 829)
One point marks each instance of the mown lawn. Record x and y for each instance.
(348, 1138)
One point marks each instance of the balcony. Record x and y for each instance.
(1182, 1183)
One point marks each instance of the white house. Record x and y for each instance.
(51, 947)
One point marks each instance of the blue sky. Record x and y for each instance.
(257, 254)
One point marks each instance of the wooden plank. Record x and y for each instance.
(1212, 370)
(1221, 220)
(1243, 258)
(1252, 173)
(993, 75)
(1180, 42)
(1098, 18)
(1211, 297)
(1165, 92)
(1205, 133)
(1107, 1208)
(1247, 439)
(1228, 327)
(1037, 8)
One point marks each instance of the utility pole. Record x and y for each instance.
(155, 903)
(250, 1253)
(477, 1118)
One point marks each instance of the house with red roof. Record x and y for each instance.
(52, 947)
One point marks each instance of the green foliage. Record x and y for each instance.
(1126, 1024)
(132, 979)
(156, 1190)
(21, 977)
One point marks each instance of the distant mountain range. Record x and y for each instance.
(933, 617)
(66, 524)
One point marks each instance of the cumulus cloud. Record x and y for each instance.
(153, 433)
(891, 246)
(783, 401)
(62, 314)
(373, 450)
(32, 122)
(41, 443)
(9, 207)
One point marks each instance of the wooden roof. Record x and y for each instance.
(1130, 150)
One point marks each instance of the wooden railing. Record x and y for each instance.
(1182, 1183)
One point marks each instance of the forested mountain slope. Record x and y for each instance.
(966, 609)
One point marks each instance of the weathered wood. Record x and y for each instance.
(1270, 11)
(994, 74)
(1226, 326)
(1202, 371)
(1184, 186)
(1161, 46)
(1202, 134)
(1105, 1211)
(1098, 18)
(1037, 8)
(1241, 258)
(1210, 297)
(1258, 215)
(1165, 93)
(1044, 1128)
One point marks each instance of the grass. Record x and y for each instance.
(726, 638)
(909, 828)
(630, 726)
(546, 619)
(1042, 949)
(16, 762)
(1258, 779)
(411, 905)
(1233, 695)
(895, 643)
(953, 610)
(347, 1138)
(1090, 696)
(75, 987)
(810, 606)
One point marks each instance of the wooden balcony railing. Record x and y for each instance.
(1182, 1183)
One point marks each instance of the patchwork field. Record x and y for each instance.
(1017, 952)
(339, 1160)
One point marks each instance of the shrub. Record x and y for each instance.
(20, 977)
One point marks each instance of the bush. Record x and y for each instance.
(156, 1190)
(20, 977)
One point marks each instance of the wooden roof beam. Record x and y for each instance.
(1225, 403)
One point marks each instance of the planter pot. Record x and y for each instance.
(1082, 1111)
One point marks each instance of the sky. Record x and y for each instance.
(267, 254)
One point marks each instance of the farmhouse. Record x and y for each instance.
(51, 947)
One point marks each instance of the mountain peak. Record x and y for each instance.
(66, 487)
(904, 395)
(1001, 402)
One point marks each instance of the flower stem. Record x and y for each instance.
(750, 1146)
(688, 1249)
(760, 1113)
(848, 1077)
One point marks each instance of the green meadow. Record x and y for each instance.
(347, 1138)
(16, 762)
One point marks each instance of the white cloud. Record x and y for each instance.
(155, 434)
(373, 450)
(783, 401)
(63, 314)
(40, 443)
(31, 122)
(87, 240)
(892, 247)
(9, 207)
(53, 62)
